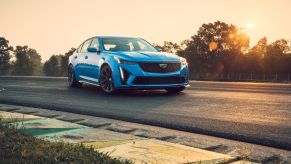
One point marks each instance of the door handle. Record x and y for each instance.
(76, 57)
(86, 57)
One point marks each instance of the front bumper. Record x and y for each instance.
(132, 76)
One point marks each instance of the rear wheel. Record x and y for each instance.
(175, 90)
(106, 80)
(72, 78)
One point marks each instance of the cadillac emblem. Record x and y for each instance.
(163, 66)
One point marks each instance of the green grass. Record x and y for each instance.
(18, 146)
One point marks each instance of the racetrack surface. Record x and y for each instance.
(258, 113)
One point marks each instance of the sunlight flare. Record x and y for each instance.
(251, 25)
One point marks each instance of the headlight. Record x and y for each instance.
(121, 61)
(183, 61)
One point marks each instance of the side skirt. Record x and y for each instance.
(81, 81)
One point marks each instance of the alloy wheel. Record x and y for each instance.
(106, 80)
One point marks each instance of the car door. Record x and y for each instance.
(83, 72)
(76, 60)
(92, 60)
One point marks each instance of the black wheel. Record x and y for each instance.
(106, 80)
(71, 78)
(175, 90)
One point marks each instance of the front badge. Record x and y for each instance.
(163, 66)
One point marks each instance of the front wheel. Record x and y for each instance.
(72, 78)
(175, 90)
(106, 80)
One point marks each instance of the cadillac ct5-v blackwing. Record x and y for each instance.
(116, 63)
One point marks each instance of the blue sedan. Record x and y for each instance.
(116, 63)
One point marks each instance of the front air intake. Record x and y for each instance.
(158, 80)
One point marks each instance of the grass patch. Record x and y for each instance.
(18, 146)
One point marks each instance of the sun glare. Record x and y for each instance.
(251, 25)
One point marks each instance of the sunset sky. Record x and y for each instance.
(54, 26)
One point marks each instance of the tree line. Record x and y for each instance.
(57, 65)
(216, 48)
(220, 48)
(25, 61)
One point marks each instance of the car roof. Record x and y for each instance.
(115, 37)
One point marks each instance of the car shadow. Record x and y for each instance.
(130, 92)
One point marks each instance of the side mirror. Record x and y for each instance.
(93, 49)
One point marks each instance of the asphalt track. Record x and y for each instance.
(257, 113)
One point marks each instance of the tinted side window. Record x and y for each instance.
(95, 43)
(86, 45)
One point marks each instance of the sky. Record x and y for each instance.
(54, 26)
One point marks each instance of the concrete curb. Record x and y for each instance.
(117, 139)
(110, 141)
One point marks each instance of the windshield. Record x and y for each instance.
(126, 44)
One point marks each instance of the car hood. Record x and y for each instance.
(148, 56)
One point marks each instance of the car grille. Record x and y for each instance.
(158, 67)
(159, 80)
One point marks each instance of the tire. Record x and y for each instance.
(106, 80)
(175, 90)
(72, 78)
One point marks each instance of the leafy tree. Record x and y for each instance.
(274, 59)
(57, 65)
(169, 46)
(63, 65)
(22, 65)
(51, 67)
(217, 47)
(64, 62)
(28, 61)
(253, 59)
(288, 62)
(4, 56)
(35, 60)
(260, 48)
